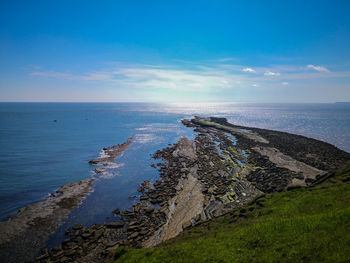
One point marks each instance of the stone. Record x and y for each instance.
(77, 227)
(132, 228)
(149, 209)
(85, 235)
(64, 259)
(42, 257)
(133, 235)
(114, 225)
(58, 254)
(187, 224)
(111, 244)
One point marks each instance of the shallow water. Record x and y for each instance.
(38, 155)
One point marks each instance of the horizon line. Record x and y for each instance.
(169, 102)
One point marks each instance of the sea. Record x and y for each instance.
(45, 145)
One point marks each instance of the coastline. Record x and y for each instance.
(25, 233)
(223, 168)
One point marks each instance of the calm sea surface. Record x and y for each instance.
(38, 155)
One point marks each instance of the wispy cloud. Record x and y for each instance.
(272, 74)
(143, 76)
(318, 68)
(226, 59)
(205, 78)
(97, 76)
(175, 79)
(248, 70)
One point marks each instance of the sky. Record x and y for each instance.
(175, 51)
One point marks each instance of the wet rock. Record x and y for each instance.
(111, 153)
(85, 235)
(144, 197)
(116, 211)
(77, 227)
(114, 225)
(99, 170)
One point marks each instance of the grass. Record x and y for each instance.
(300, 225)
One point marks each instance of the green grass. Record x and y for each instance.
(300, 225)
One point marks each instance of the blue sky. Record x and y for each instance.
(175, 51)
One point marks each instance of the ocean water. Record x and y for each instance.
(38, 155)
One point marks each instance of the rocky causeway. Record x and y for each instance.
(223, 168)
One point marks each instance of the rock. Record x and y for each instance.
(70, 253)
(85, 235)
(64, 259)
(149, 209)
(112, 249)
(42, 257)
(144, 231)
(116, 211)
(133, 228)
(94, 161)
(133, 235)
(133, 223)
(58, 254)
(187, 224)
(57, 249)
(309, 180)
(114, 225)
(111, 244)
(100, 170)
(77, 227)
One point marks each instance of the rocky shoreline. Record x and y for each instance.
(24, 235)
(223, 168)
(108, 154)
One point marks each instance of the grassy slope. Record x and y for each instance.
(300, 225)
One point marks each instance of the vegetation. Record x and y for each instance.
(299, 225)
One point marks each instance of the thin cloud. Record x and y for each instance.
(318, 68)
(248, 70)
(272, 74)
(98, 76)
(145, 76)
(196, 85)
(226, 59)
(174, 79)
(199, 78)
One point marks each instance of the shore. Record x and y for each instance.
(24, 235)
(223, 168)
